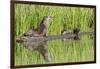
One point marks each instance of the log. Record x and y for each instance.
(50, 37)
(34, 42)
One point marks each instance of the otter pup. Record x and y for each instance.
(65, 31)
(41, 30)
(76, 31)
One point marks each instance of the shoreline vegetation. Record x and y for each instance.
(29, 16)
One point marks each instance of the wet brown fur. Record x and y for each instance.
(41, 30)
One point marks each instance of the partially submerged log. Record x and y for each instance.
(40, 39)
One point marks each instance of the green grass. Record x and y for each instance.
(27, 16)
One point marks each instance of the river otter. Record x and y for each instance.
(65, 31)
(41, 30)
(74, 31)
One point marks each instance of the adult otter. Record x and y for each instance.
(41, 30)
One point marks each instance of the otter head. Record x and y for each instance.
(76, 31)
(47, 17)
(46, 20)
